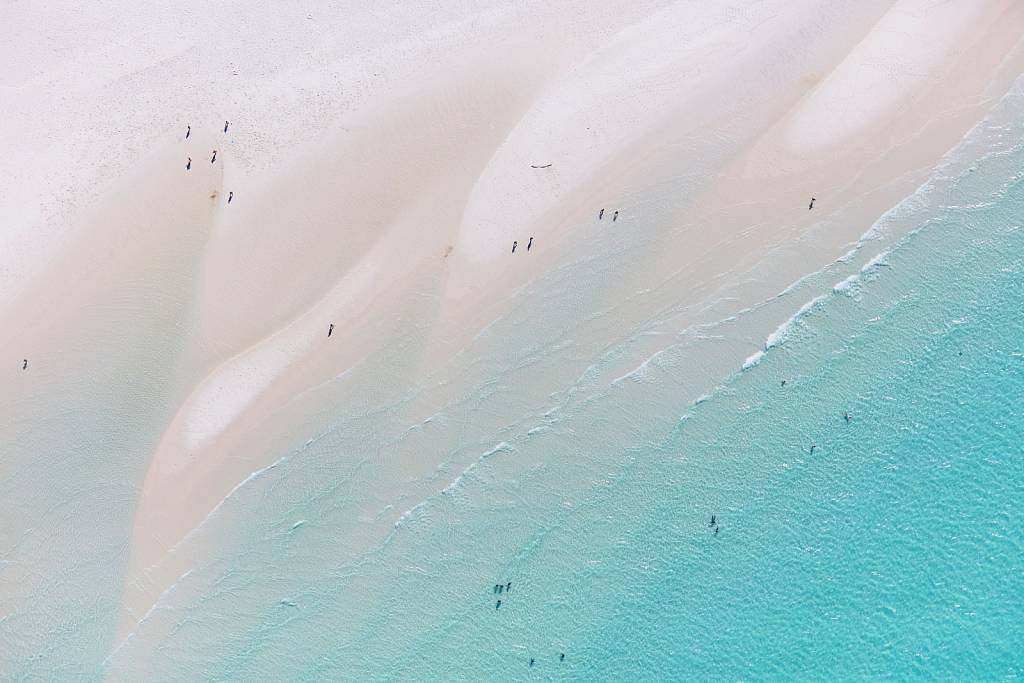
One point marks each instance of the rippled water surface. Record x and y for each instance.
(865, 475)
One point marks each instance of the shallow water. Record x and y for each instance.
(893, 549)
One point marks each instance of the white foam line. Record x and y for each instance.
(781, 333)
(845, 285)
(752, 360)
(209, 515)
(803, 278)
(145, 617)
(848, 256)
(501, 447)
(878, 259)
(253, 475)
(641, 370)
(406, 514)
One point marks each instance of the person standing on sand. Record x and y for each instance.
(811, 205)
(529, 244)
(214, 158)
(230, 195)
(514, 245)
(189, 164)
(330, 329)
(24, 365)
(188, 132)
(600, 214)
(225, 126)
(615, 216)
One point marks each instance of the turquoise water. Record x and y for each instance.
(894, 550)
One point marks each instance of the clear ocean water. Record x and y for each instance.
(892, 549)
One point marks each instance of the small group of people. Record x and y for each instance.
(500, 588)
(615, 216)
(516, 244)
(846, 417)
(561, 658)
(213, 158)
(188, 129)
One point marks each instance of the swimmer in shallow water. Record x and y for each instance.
(24, 365)
(615, 216)
(498, 605)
